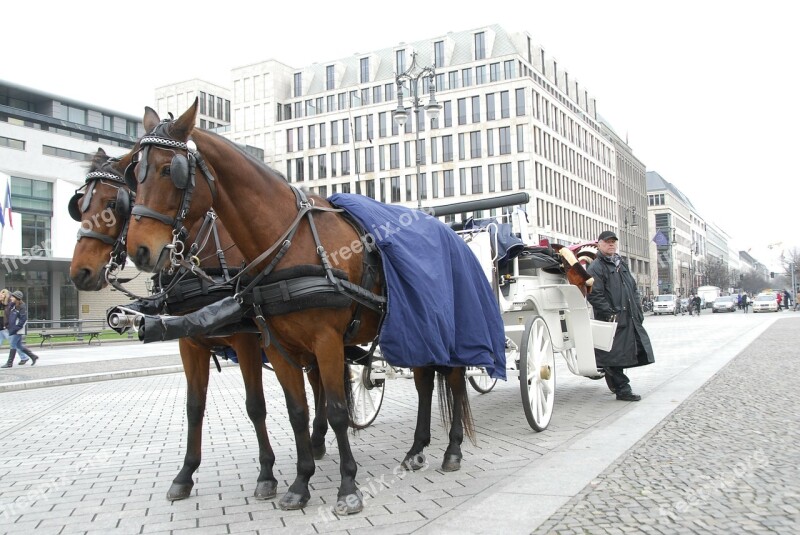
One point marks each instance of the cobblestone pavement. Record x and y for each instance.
(727, 461)
(99, 457)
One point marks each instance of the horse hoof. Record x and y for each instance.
(415, 462)
(451, 463)
(318, 451)
(292, 501)
(350, 504)
(179, 491)
(266, 490)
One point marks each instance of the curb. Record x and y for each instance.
(89, 378)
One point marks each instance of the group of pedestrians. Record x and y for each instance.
(14, 313)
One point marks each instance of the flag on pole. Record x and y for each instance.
(2, 216)
(8, 205)
(660, 239)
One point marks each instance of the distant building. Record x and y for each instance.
(512, 120)
(46, 142)
(678, 244)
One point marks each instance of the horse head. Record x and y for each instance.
(102, 206)
(167, 200)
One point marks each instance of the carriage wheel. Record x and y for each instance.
(537, 373)
(367, 394)
(482, 383)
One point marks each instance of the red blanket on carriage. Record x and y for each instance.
(441, 309)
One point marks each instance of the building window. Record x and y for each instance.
(370, 188)
(66, 153)
(504, 105)
(400, 61)
(345, 162)
(395, 188)
(447, 148)
(322, 166)
(438, 54)
(505, 140)
(462, 150)
(364, 68)
(369, 160)
(520, 98)
(298, 84)
(505, 176)
(435, 184)
(452, 78)
(449, 186)
(394, 156)
(202, 100)
(490, 142)
(494, 72)
(377, 95)
(334, 132)
(508, 68)
(521, 174)
(345, 131)
(462, 178)
(490, 112)
(12, 143)
(300, 168)
(475, 144)
(477, 180)
(480, 45)
(491, 179)
(462, 111)
(466, 77)
(211, 102)
(448, 114)
(322, 140)
(330, 77)
(520, 138)
(480, 75)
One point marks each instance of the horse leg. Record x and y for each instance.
(294, 389)
(330, 359)
(195, 360)
(320, 425)
(248, 349)
(460, 416)
(423, 381)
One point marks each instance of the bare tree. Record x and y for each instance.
(718, 274)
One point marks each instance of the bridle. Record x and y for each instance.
(80, 202)
(182, 170)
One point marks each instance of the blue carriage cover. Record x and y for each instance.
(441, 309)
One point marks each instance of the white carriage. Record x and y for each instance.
(543, 315)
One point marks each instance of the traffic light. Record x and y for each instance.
(771, 274)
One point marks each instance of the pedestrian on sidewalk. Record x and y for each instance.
(698, 303)
(745, 302)
(5, 309)
(614, 297)
(17, 319)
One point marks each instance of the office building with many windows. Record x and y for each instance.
(512, 119)
(46, 143)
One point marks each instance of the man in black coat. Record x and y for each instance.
(614, 295)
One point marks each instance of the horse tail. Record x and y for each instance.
(446, 405)
(348, 397)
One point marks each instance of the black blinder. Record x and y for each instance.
(179, 171)
(142, 173)
(74, 210)
(130, 176)
(123, 204)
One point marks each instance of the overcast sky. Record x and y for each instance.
(705, 91)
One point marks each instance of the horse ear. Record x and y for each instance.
(151, 119)
(183, 125)
(100, 157)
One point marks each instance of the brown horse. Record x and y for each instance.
(103, 207)
(270, 222)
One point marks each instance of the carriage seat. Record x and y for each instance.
(508, 244)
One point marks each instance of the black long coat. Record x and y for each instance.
(614, 292)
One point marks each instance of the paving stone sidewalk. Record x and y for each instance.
(726, 461)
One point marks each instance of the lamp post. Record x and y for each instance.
(413, 75)
(627, 224)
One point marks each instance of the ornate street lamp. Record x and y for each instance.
(413, 75)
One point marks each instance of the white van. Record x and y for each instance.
(665, 304)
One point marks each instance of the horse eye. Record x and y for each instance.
(166, 171)
(111, 205)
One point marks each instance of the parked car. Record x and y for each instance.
(765, 303)
(666, 304)
(726, 303)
